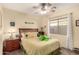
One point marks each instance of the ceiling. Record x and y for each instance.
(21, 7)
(28, 7)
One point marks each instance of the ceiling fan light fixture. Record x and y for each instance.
(43, 12)
(45, 8)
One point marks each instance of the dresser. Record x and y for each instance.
(11, 45)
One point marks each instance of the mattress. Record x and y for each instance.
(33, 46)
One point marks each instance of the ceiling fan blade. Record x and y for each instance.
(42, 4)
(49, 4)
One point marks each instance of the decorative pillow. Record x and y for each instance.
(23, 34)
(31, 34)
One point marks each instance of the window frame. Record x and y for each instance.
(58, 21)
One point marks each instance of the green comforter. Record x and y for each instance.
(43, 38)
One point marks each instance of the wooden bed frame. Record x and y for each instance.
(27, 30)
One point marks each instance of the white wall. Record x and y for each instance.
(66, 9)
(1, 31)
(19, 19)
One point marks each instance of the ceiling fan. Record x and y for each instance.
(45, 7)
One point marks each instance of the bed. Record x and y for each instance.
(33, 46)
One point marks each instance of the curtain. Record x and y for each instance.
(69, 42)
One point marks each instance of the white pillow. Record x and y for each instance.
(31, 34)
(23, 34)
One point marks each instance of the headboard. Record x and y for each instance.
(27, 30)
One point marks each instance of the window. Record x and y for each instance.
(63, 26)
(58, 26)
(54, 27)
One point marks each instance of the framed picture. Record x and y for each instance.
(77, 22)
(12, 23)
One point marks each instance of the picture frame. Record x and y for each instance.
(12, 23)
(77, 22)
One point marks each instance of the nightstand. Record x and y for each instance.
(11, 45)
